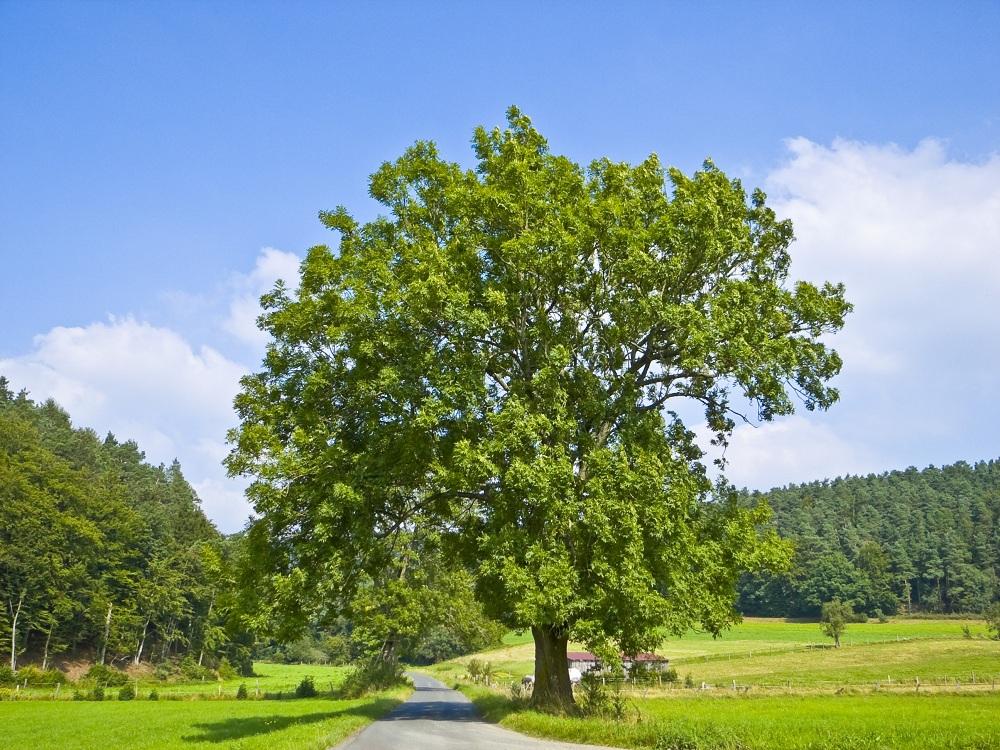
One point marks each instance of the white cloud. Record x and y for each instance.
(915, 236)
(244, 307)
(147, 384)
(791, 450)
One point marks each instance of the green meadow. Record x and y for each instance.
(793, 691)
(305, 724)
(196, 714)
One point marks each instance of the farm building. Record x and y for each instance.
(586, 661)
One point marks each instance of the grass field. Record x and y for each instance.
(805, 695)
(306, 724)
(772, 651)
(847, 722)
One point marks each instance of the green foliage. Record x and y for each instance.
(306, 688)
(127, 692)
(372, 676)
(992, 617)
(834, 617)
(913, 540)
(98, 548)
(242, 693)
(487, 368)
(154, 695)
(106, 676)
(7, 675)
(97, 693)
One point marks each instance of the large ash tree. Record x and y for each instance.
(495, 362)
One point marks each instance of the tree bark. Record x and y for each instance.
(208, 624)
(14, 614)
(552, 691)
(107, 634)
(45, 653)
(142, 642)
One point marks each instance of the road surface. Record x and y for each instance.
(436, 717)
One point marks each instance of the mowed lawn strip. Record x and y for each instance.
(848, 722)
(304, 724)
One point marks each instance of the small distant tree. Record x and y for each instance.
(992, 617)
(834, 617)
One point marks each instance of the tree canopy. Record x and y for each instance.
(495, 362)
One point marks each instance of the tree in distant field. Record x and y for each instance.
(992, 618)
(834, 618)
(496, 362)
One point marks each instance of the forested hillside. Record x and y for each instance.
(102, 554)
(901, 541)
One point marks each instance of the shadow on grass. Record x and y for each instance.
(228, 730)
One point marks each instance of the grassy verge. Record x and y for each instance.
(848, 722)
(308, 724)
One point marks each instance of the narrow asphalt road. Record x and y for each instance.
(436, 717)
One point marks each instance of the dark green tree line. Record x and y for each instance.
(899, 541)
(101, 553)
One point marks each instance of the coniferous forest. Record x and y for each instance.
(902, 541)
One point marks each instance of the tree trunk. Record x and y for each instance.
(208, 624)
(14, 614)
(107, 634)
(142, 642)
(552, 691)
(45, 653)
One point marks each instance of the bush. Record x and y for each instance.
(164, 671)
(78, 696)
(241, 692)
(306, 688)
(154, 695)
(373, 675)
(192, 670)
(35, 676)
(97, 694)
(105, 676)
(669, 675)
(595, 695)
(127, 692)
(226, 670)
(688, 681)
(7, 676)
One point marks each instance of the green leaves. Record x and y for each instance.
(490, 362)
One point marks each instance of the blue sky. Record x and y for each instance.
(162, 163)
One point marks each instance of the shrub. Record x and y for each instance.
(595, 695)
(992, 617)
(127, 692)
(78, 696)
(372, 675)
(154, 695)
(241, 692)
(688, 681)
(97, 694)
(226, 670)
(106, 676)
(7, 676)
(669, 675)
(966, 633)
(164, 671)
(306, 688)
(192, 670)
